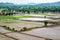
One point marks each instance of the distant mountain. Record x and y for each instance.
(46, 4)
(6, 4)
(30, 4)
(49, 4)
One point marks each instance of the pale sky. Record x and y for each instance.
(29, 1)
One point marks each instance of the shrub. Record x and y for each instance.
(45, 23)
(24, 29)
(8, 28)
(4, 26)
(13, 29)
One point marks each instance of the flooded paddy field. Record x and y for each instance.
(19, 25)
(2, 37)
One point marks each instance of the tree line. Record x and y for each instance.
(28, 9)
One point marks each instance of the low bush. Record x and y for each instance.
(24, 29)
(45, 24)
(4, 26)
(8, 28)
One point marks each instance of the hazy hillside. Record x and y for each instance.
(30, 4)
(50, 4)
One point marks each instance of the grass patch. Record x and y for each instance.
(10, 29)
(22, 16)
(8, 19)
(11, 19)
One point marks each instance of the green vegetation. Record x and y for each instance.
(28, 9)
(37, 9)
(45, 24)
(8, 28)
(22, 17)
(11, 19)
(8, 19)
(24, 29)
